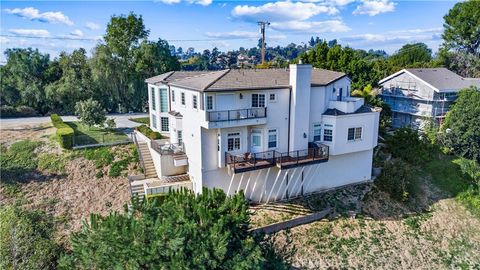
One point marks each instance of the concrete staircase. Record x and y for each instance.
(150, 171)
(137, 190)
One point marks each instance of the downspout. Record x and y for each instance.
(289, 112)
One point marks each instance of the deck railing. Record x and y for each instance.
(250, 161)
(232, 115)
(254, 161)
(302, 157)
(168, 149)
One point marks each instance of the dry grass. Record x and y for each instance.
(70, 196)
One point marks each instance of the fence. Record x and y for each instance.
(106, 139)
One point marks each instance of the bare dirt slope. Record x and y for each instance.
(70, 196)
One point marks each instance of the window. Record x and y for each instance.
(154, 100)
(163, 100)
(258, 100)
(164, 123)
(182, 96)
(233, 141)
(173, 95)
(154, 121)
(317, 132)
(179, 136)
(354, 134)
(209, 102)
(272, 138)
(327, 135)
(194, 102)
(272, 97)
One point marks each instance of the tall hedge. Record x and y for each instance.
(64, 132)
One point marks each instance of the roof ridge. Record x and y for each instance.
(214, 81)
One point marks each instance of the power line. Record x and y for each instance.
(97, 39)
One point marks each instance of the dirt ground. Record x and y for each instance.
(435, 233)
(72, 196)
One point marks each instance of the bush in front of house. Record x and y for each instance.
(90, 112)
(145, 130)
(399, 180)
(64, 132)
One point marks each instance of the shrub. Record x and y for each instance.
(18, 160)
(182, 230)
(90, 112)
(21, 111)
(399, 180)
(110, 123)
(26, 239)
(407, 145)
(102, 156)
(52, 163)
(64, 132)
(145, 130)
(118, 167)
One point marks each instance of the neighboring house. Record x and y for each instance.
(273, 133)
(417, 94)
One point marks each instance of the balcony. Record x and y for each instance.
(168, 148)
(304, 157)
(255, 161)
(347, 104)
(235, 118)
(250, 161)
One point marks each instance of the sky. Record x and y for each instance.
(56, 26)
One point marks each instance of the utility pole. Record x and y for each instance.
(262, 30)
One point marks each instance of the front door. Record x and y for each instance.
(256, 141)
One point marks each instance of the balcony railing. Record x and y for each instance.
(302, 157)
(233, 115)
(250, 161)
(255, 161)
(168, 148)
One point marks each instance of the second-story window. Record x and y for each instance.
(272, 97)
(328, 135)
(194, 102)
(154, 100)
(354, 134)
(163, 100)
(272, 138)
(317, 132)
(182, 97)
(173, 95)
(258, 100)
(233, 141)
(209, 102)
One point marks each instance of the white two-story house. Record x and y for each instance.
(273, 133)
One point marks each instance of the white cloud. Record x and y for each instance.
(34, 14)
(395, 37)
(4, 40)
(331, 26)
(281, 11)
(374, 7)
(198, 2)
(331, 2)
(76, 33)
(233, 34)
(30, 32)
(92, 26)
(243, 35)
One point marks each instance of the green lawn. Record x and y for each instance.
(85, 135)
(141, 120)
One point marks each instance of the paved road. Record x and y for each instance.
(120, 119)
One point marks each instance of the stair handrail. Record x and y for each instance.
(140, 157)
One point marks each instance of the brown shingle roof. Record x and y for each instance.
(238, 79)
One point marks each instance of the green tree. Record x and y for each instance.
(179, 231)
(74, 84)
(412, 55)
(462, 24)
(90, 112)
(461, 128)
(26, 239)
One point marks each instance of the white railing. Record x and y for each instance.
(155, 188)
(347, 104)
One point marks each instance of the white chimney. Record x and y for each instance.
(300, 81)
